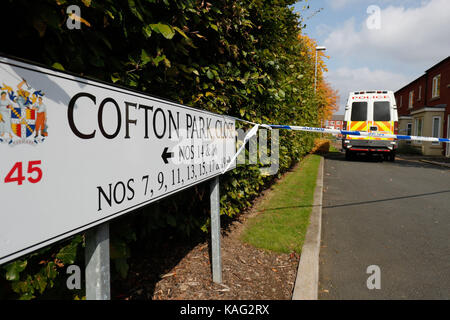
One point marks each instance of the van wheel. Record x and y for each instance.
(392, 157)
(348, 155)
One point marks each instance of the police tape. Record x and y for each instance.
(247, 137)
(358, 133)
(372, 134)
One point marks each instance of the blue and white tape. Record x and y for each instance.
(254, 131)
(248, 136)
(358, 133)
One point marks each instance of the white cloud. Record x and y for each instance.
(408, 35)
(410, 41)
(348, 79)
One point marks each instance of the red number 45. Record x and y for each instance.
(19, 178)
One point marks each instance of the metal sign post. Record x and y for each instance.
(215, 231)
(97, 263)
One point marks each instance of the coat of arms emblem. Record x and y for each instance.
(23, 115)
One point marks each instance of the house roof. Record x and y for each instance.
(410, 83)
(337, 117)
(439, 63)
(436, 65)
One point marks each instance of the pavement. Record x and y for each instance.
(394, 216)
(436, 160)
(307, 280)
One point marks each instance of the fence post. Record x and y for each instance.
(215, 231)
(97, 263)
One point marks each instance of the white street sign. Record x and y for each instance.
(75, 153)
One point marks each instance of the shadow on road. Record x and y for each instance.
(387, 199)
(339, 156)
(363, 202)
(400, 161)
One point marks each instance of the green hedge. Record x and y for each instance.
(240, 58)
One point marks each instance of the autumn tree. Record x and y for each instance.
(326, 97)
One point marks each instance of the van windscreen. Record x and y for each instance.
(359, 111)
(381, 111)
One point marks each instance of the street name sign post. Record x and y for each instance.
(76, 153)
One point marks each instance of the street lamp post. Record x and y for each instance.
(319, 48)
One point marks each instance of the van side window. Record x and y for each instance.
(381, 111)
(359, 111)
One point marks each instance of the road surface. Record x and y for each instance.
(392, 215)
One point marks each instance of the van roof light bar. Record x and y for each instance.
(365, 92)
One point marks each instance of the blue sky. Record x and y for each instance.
(412, 36)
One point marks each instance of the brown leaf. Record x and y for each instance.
(59, 263)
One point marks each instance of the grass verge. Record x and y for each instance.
(284, 214)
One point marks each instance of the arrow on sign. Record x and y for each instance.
(166, 155)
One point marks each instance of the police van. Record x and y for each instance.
(370, 111)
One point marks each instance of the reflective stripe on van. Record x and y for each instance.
(386, 127)
(359, 126)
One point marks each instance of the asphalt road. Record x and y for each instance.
(392, 215)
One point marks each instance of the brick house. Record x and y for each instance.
(424, 108)
(336, 122)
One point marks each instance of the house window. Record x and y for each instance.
(420, 94)
(411, 99)
(418, 128)
(436, 89)
(436, 131)
(409, 131)
(401, 101)
(332, 123)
